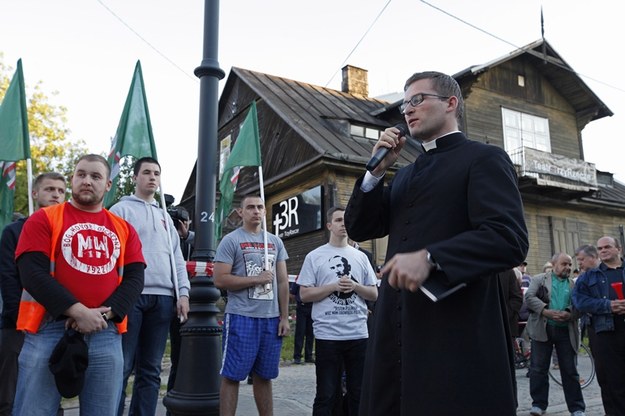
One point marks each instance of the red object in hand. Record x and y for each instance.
(618, 288)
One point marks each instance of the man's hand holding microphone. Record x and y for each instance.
(391, 142)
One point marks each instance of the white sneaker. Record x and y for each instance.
(537, 411)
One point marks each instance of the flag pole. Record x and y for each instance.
(172, 266)
(262, 196)
(29, 179)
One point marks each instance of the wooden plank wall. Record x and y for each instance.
(557, 229)
(499, 88)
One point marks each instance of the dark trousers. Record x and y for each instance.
(331, 358)
(10, 347)
(143, 346)
(540, 361)
(608, 350)
(174, 344)
(303, 332)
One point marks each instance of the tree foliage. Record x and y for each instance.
(50, 146)
(125, 186)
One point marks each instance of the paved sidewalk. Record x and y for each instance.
(294, 392)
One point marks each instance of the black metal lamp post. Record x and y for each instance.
(196, 388)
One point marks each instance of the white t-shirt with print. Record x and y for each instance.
(340, 316)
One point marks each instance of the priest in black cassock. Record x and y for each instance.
(454, 217)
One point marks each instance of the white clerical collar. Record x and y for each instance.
(432, 145)
(429, 145)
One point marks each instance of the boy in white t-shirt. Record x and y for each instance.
(338, 279)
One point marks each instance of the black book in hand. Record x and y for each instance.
(435, 289)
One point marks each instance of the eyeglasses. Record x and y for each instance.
(417, 99)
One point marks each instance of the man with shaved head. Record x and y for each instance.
(609, 250)
(553, 324)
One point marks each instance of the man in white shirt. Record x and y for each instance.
(338, 279)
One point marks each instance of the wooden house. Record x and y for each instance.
(315, 142)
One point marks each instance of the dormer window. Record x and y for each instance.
(524, 130)
(364, 132)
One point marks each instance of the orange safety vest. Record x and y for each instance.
(31, 312)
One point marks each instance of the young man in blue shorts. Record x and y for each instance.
(256, 316)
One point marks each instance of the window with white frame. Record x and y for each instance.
(364, 132)
(524, 130)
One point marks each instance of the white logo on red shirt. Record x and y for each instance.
(90, 248)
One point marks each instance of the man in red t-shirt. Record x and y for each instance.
(71, 258)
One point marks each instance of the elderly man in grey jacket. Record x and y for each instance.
(553, 323)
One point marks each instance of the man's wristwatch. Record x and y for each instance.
(431, 260)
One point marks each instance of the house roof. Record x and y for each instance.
(560, 74)
(318, 121)
(610, 190)
(321, 116)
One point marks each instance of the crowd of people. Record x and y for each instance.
(77, 271)
(95, 292)
(89, 294)
(563, 307)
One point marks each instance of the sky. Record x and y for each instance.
(84, 52)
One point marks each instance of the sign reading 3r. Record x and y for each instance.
(298, 214)
(286, 216)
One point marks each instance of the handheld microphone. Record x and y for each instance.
(383, 151)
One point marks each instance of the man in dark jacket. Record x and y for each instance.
(453, 217)
(304, 338)
(594, 293)
(513, 297)
(48, 189)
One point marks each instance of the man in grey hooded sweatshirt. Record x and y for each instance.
(165, 293)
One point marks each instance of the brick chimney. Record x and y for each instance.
(355, 81)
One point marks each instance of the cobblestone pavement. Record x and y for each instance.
(294, 392)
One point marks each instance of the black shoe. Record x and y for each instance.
(297, 360)
(310, 360)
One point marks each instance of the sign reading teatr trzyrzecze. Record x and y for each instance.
(298, 214)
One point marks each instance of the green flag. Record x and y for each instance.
(134, 133)
(14, 141)
(245, 152)
(14, 138)
(7, 191)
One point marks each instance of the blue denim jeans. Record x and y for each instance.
(143, 346)
(540, 361)
(331, 358)
(36, 390)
